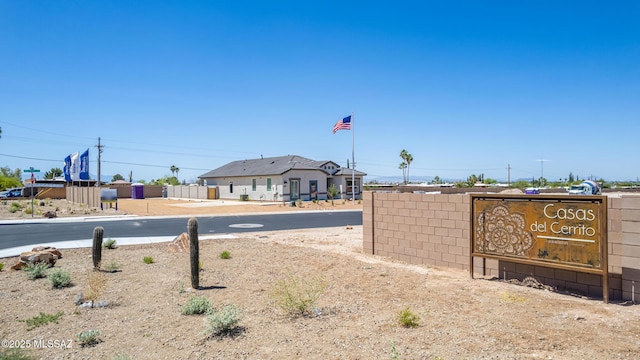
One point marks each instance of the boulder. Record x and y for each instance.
(50, 249)
(50, 214)
(180, 243)
(44, 254)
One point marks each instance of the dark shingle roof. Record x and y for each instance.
(264, 166)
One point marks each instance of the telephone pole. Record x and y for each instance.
(508, 175)
(99, 146)
(541, 169)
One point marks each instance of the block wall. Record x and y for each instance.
(433, 229)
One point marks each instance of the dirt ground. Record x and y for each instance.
(356, 317)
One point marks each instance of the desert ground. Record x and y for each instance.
(356, 316)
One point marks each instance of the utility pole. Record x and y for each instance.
(508, 175)
(541, 170)
(99, 146)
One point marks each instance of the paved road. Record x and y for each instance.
(15, 235)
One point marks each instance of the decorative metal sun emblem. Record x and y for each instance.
(502, 232)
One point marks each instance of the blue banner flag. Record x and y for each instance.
(84, 165)
(67, 168)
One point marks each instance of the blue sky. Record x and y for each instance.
(466, 87)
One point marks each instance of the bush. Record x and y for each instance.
(196, 306)
(88, 338)
(1, 266)
(223, 321)
(36, 270)
(119, 356)
(297, 296)
(225, 255)
(407, 318)
(112, 267)
(60, 278)
(109, 244)
(15, 206)
(148, 260)
(42, 319)
(15, 354)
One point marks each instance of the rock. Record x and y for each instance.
(87, 304)
(180, 243)
(102, 303)
(78, 299)
(50, 249)
(50, 214)
(43, 254)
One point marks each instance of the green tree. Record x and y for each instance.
(117, 177)
(171, 180)
(173, 170)
(522, 184)
(6, 171)
(53, 173)
(7, 182)
(406, 159)
(436, 180)
(472, 180)
(403, 166)
(332, 192)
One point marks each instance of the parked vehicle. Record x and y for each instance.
(587, 187)
(12, 193)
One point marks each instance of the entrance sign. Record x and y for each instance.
(557, 231)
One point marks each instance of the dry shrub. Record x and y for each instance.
(96, 283)
(298, 295)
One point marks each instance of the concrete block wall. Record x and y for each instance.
(429, 229)
(434, 230)
(187, 192)
(624, 243)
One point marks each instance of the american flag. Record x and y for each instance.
(342, 124)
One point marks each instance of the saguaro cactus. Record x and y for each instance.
(194, 252)
(96, 251)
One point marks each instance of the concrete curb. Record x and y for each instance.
(87, 243)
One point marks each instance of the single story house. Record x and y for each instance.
(282, 178)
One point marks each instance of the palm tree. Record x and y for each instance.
(177, 171)
(408, 159)
(405, 164)
(173, 170)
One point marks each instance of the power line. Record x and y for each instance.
(150, 165)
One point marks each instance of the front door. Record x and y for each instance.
(295, 189)
(313, 189)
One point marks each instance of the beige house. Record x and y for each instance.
(282, 178)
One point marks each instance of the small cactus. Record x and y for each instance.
(194, 252)
(96, 252)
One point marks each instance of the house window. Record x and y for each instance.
(350, 189)
(253, 184)
(268, 184)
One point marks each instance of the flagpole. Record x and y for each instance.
(353, 160)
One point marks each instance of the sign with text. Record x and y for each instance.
(557, 231)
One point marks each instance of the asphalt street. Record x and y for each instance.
(22, 234)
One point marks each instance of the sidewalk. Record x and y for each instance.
(87, 243)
